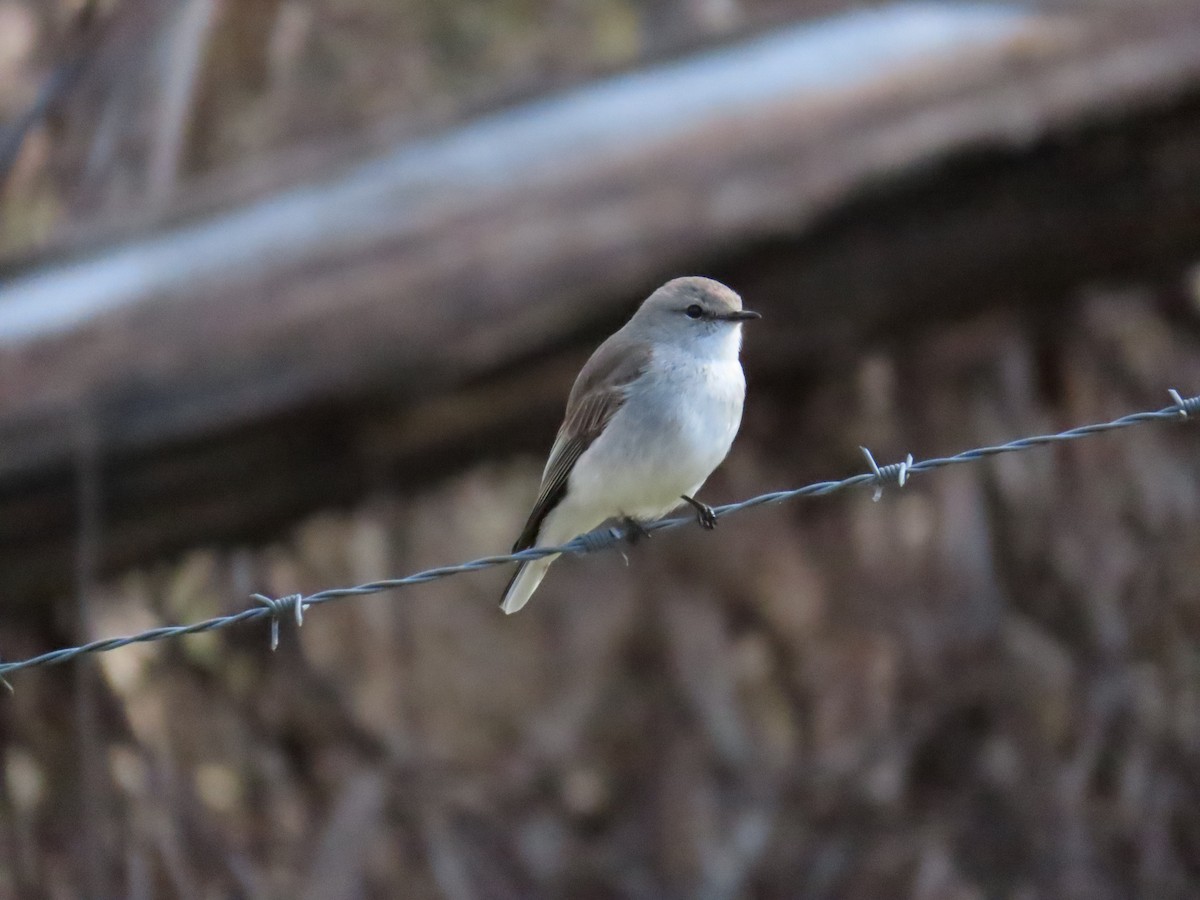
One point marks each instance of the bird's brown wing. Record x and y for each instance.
(599, 392)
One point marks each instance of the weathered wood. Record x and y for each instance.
(277, 358)
(452, 256)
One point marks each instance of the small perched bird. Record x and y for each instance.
(651, 415)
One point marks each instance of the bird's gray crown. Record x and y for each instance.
(688, 310)
(678, 294)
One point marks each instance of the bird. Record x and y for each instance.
(651, 415)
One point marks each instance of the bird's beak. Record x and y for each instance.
(740, 315)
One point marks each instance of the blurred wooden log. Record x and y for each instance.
(849, 174)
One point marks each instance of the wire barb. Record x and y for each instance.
(600, 539)
(1192, 404)
(293, 603)
(893, 471)
(603, 537)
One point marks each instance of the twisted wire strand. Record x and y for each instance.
(602, 538)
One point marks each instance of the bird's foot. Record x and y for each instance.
(633, 530)
(705, 514)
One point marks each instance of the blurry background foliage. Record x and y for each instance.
(278, 76)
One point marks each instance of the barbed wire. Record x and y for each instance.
(603, 538)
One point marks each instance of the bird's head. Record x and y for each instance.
(693, 312)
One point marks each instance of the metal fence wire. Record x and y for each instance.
(274, 609)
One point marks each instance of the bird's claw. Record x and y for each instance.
(634, 530)
(705, 514)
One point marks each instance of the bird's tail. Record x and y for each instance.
(524, 583)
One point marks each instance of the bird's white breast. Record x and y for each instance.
(675, 427)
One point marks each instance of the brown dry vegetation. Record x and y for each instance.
(984, 685)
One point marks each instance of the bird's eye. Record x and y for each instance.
(694, 311)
